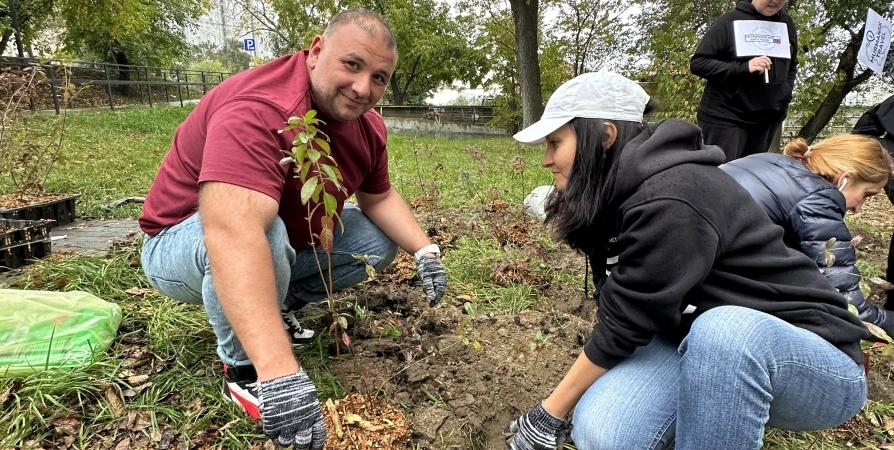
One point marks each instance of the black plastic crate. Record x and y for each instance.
(22, 242)
(60, 211)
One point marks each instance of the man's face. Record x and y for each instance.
(349, 72)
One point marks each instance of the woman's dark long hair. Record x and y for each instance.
(578, 213)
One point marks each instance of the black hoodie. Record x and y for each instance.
(688, 238)
(734, 95)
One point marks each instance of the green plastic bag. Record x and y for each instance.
(45, 330)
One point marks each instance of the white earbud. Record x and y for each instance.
(843, 184)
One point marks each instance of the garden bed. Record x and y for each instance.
(57, 208)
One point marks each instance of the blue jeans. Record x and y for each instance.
(176, 263)
(736, 371)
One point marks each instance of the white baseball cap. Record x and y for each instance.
(599, 95)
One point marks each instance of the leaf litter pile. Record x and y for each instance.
(362, 422)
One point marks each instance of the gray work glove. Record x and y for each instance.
(431, 273)
(537, 430)
(290, 411)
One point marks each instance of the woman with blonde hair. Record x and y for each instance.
(808, 190)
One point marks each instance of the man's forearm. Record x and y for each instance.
(391, 214)
(244, 282)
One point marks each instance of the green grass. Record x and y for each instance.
(511, 299)
(417, 163)
(109, 155)
(869, 270)
(469, 261)
(856, 221)
(179, 340)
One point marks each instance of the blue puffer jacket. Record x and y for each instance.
(811, 210)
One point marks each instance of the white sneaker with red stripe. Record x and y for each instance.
(300, 336)
(240, 387)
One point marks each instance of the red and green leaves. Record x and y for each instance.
(320, 181)
(317, 170)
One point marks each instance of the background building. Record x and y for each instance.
(227, 20)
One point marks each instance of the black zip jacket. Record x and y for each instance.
(688, 238)
(733, 95)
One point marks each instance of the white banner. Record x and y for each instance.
(876, 40)
(761, 38)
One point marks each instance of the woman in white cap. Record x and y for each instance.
(709, 328)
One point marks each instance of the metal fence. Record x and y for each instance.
(475, 115)
(153, 85)
(842, 123)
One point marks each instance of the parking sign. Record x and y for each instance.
(249, 44)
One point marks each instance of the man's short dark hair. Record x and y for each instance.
(368, 21)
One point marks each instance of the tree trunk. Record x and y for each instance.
(397, 96)
(525, 14)
(123, 72)
(4, 40)
(776, 142)
(845, 82)
(710, 10)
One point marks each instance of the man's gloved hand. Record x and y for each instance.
(290, 411)
(431, 272)
(537, 430)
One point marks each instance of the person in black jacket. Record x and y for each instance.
(878, 122)
(807, 192)
(740, 109)
(709, 327)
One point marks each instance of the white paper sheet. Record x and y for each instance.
(759, 37)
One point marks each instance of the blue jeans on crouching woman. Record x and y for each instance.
(176, 263)
(736, 371)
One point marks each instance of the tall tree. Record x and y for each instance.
(433, 48)
(590, 33)
(32, 16)
(231, 56)
(526, 15)
(830, 35)
(146, 32)
(493, 34)
(671, 30)
(289, 24)
(583, 36)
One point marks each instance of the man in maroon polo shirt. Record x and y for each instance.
(223, 204)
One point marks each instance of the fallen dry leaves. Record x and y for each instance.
(115, 402)
(139, 292)
(518, 272)
(67, 425)
(401, 271)
(364, 422)
(12, 201)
